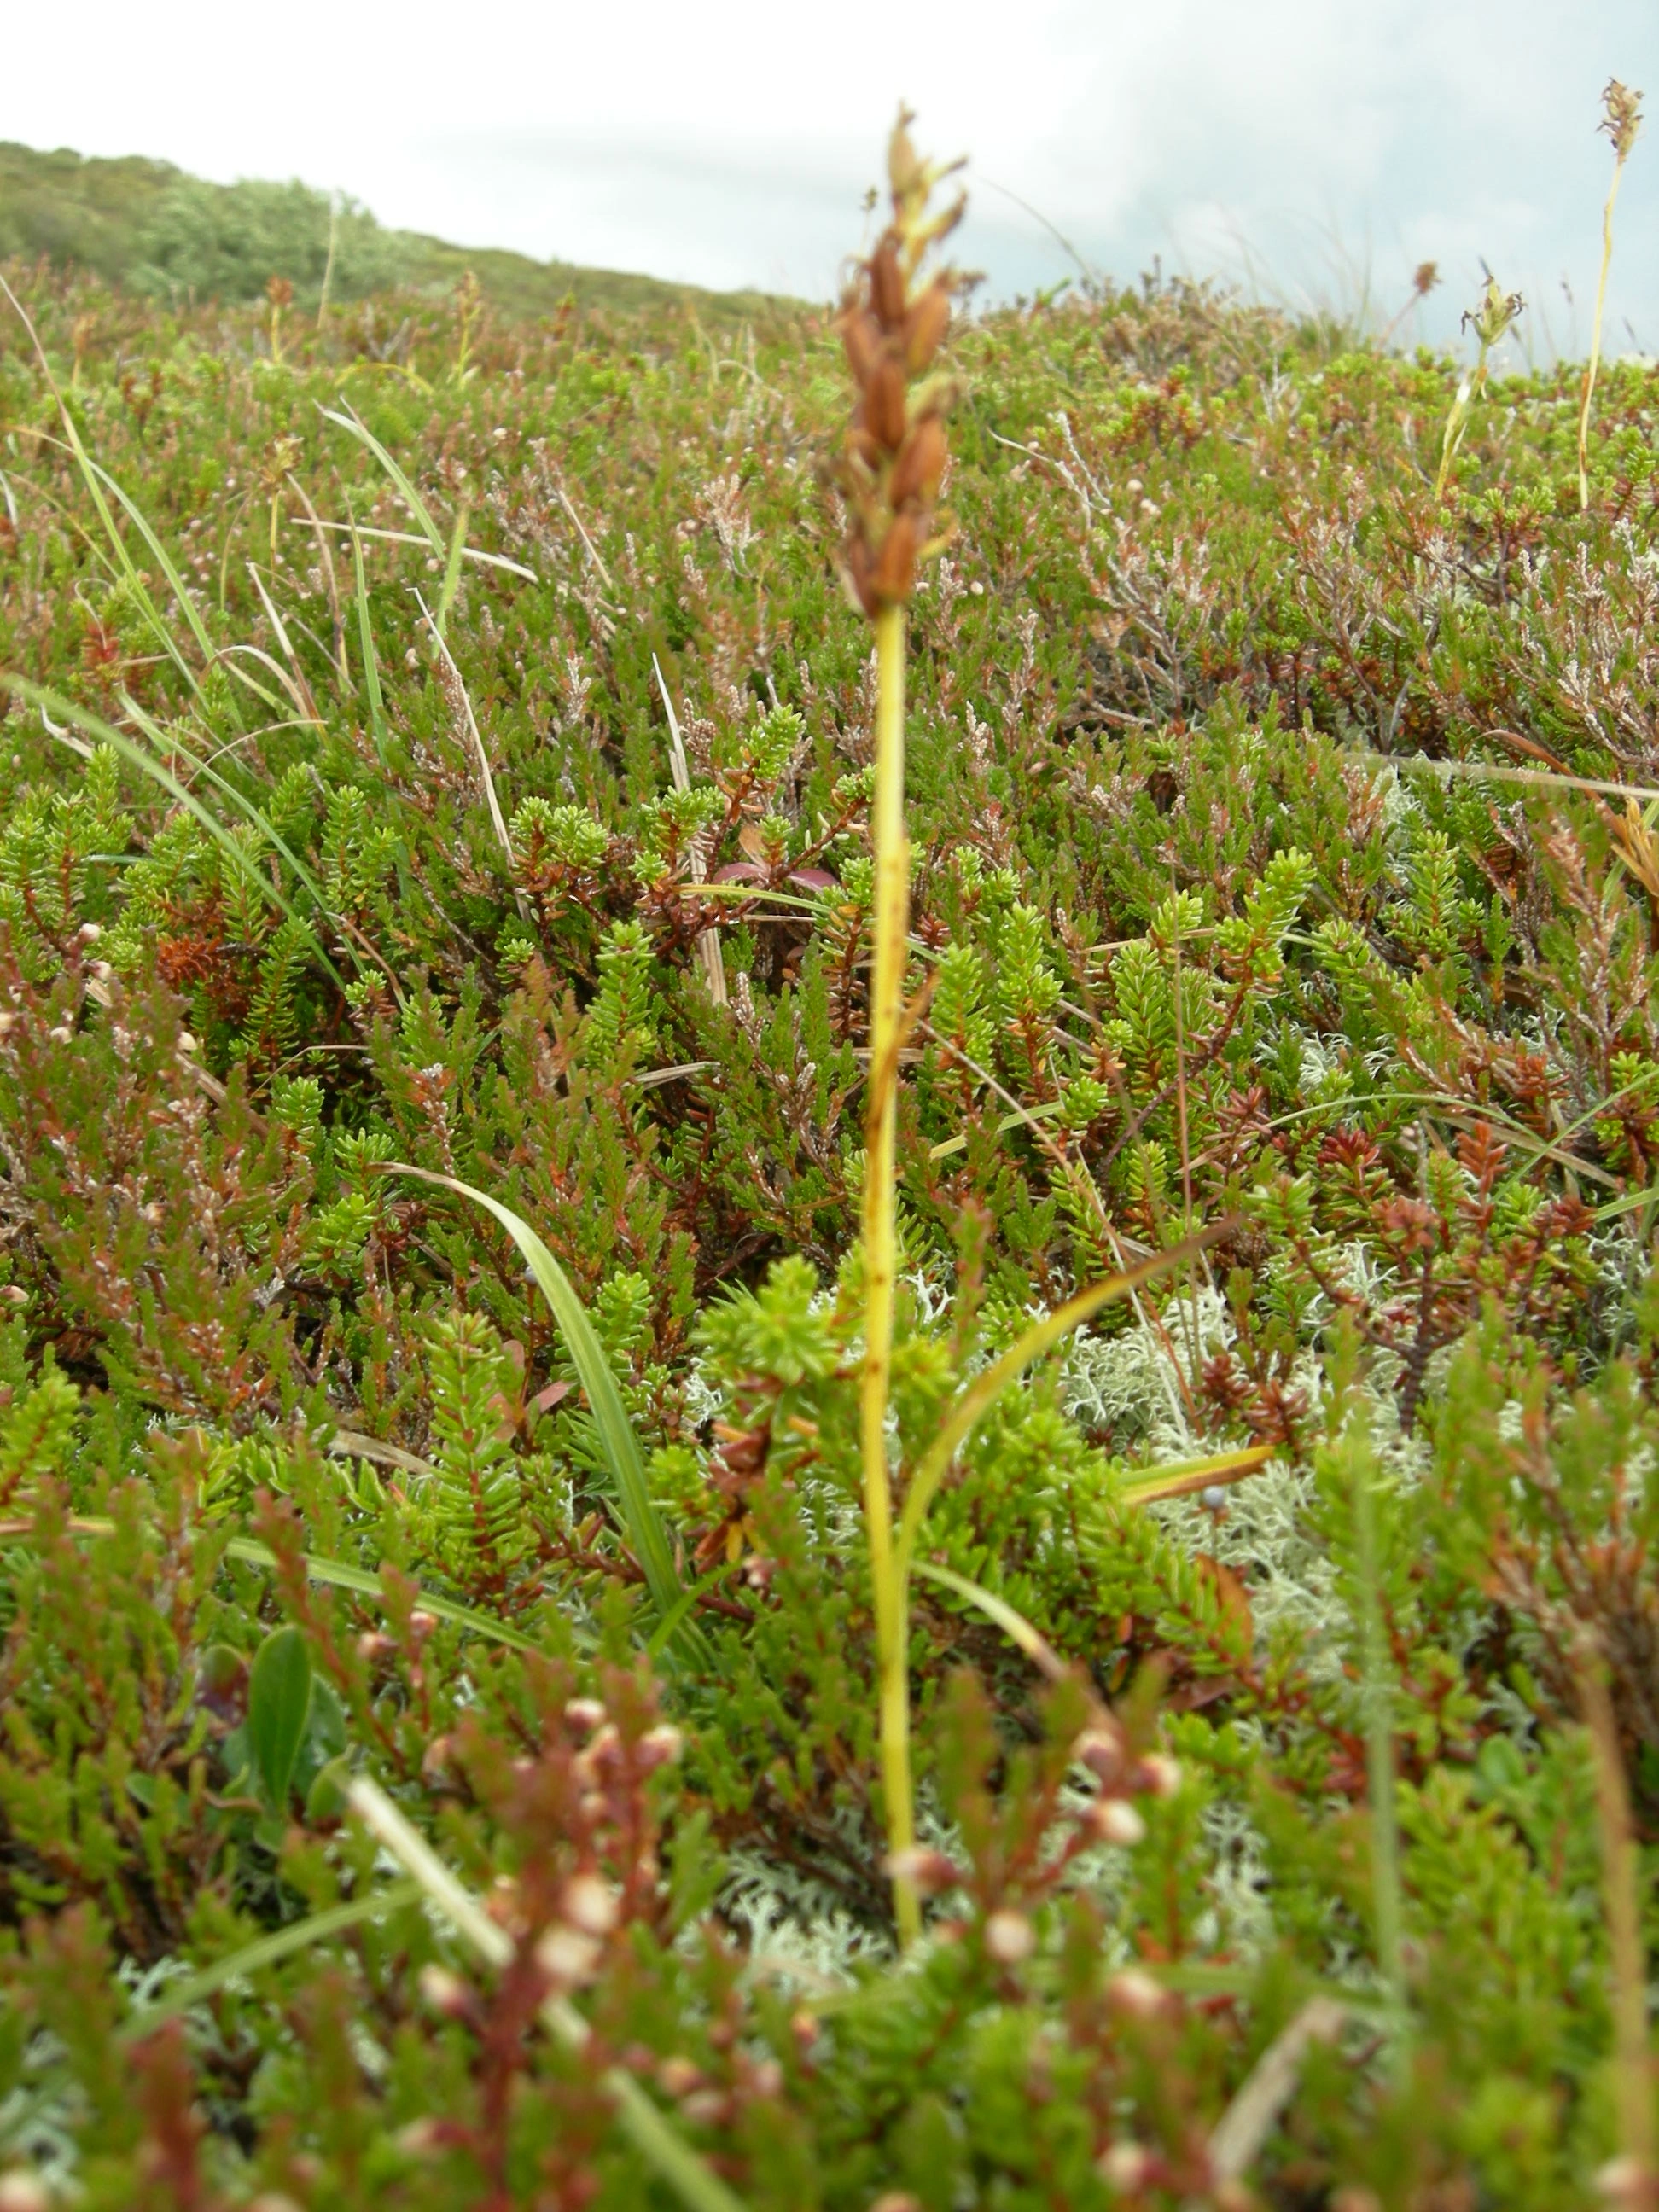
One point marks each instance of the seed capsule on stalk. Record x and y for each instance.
(925, 326)
(883, 403)
(920, 464)
(887, 283)
(892, 325)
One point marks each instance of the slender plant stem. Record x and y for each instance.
(1622, 1904)
(1378, 1683)
(1458, 421)
(892, 893)
(1596, 340)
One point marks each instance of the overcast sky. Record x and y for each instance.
(1317, 145)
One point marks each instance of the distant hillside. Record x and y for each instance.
(157, 230)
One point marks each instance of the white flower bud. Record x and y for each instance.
(588, 1903)
(1009, 1937)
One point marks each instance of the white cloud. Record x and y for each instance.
(728, 142)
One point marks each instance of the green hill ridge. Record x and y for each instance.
(155, 229)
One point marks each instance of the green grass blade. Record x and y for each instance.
(983, 1392)
(406, 491)
(408, 538)
(336, 1574)
(620, 1447)
(366, 644)
(498, 820)
(147, 764)
(452, 569)
(181, 1995)
(1012, 1623)
(95, 479)
(304, 718)
(123, 567)
(164, 741)
(163, 559)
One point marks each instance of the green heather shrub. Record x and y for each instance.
(1285, 898)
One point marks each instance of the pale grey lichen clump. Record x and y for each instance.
(1134, 1384)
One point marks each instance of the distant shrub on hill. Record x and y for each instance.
(223, 242)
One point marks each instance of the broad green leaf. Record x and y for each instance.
(278, 1705)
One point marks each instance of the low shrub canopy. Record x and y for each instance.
(1283, 867)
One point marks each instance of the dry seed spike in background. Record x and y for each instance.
(892, 326)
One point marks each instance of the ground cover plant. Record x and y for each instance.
(571, 1640)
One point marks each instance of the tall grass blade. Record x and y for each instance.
(412, 499)
(452, 568)
(497, 819)
(641, 1520)
(472, 553)
(1376, 1674)
(1012, 1623)
(1186, 1475)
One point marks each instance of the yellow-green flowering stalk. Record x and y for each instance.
(892, 322)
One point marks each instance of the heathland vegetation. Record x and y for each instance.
(827, 1346)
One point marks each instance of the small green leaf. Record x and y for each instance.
(278, 1706)
(325, 1799)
